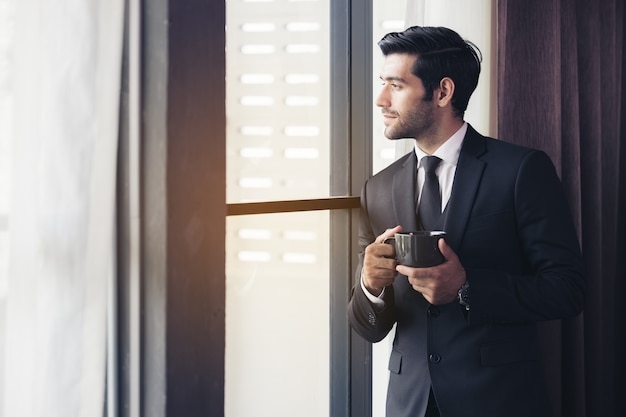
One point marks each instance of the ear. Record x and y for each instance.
(445, 92)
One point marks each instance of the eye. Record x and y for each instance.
(393, 85)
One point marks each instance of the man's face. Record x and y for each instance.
(406, 114)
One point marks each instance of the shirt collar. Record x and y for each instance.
(450, 150)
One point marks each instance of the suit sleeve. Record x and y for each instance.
(551, 282)
(370, 322)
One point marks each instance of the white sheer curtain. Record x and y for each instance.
(64, 88)
(474, 20)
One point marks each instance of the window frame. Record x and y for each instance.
(161, 310)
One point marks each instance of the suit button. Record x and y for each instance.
(371, 318)
(434, 358)
(433, 311)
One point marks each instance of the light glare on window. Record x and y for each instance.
(256, 152)
(302, 78)
(301, 153)
(302, 131)
(254, 256)
(257, 79)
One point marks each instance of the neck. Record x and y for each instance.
(431, 141)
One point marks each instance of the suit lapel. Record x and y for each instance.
(403, 194)
(468, 175)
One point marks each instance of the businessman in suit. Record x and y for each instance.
(466, 342)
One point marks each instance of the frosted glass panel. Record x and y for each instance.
(277, 315)
(277, 100)
(278, 141)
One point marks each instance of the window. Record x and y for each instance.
(292, 149)
(277, 265)
(288, 147)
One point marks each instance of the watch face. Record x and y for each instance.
(464, 295)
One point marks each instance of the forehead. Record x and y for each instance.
(399, 66)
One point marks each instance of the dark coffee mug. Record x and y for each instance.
(418, 249)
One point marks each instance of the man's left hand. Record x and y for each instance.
(438, 284)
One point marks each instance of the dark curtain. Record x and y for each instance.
(560, 89)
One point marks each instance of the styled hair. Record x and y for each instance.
(440, 52)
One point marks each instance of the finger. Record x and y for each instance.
(379, 250)
(388, 233)
(416, 276)
(404, 270)
(383, 264)
(379, 256)
(378, 276)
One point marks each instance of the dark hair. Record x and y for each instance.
(441, 52)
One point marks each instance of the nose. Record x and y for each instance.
(382, 100)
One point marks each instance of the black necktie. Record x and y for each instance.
(430, 202)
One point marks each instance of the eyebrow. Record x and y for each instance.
(400, 79)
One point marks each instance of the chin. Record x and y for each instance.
(392, 135)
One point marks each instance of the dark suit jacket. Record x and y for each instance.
(509, 222)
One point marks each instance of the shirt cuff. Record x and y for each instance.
(377, 301)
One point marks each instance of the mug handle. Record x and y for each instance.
(387, 239)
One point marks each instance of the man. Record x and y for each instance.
(466, 342)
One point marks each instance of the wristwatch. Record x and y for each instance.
(463, 295)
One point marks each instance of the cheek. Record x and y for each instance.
(407, 99)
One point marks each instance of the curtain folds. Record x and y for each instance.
(560, 89)
(66, 88)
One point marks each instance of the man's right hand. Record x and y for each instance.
(379, 265)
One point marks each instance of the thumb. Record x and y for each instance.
(446, 250)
